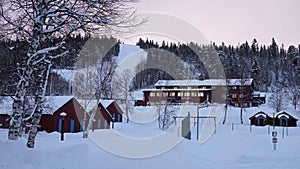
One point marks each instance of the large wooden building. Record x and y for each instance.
(236, 92)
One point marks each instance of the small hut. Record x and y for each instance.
(260, 119)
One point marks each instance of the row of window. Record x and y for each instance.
(188, 87)
(179, 94)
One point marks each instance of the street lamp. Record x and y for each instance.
(113, 122)
(62, 115)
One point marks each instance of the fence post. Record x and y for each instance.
(268, 129)
(287, 132)
(232, 127)
(282, 131)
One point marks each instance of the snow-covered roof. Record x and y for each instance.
(55, 102)
(261, 114)
(88, 105)
(51, 105)
(259, 94)
(6, 105)
(284, 113)
(179, 90)
(206, 82)
(106, 103)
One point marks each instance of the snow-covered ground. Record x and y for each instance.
(226, 149)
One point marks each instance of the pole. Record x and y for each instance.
(215, 125)
(232, 126)
(197, 122)
(62, 130)
(268, 129)
(274, 121)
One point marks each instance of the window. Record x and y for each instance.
(234, 87)
(158, 94)
(189, 87)
(201, 94)
(152, 94)
(187, 94)
(193, 94)
(165, 94)
(172, 94)
(234, 96)
(180, 94)
(236, 104)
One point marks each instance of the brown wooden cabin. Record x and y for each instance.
(109, 112)
(72, 122)
(260, 119)
(284, 119)
(281, 119)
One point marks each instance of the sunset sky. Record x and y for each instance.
(235, 21)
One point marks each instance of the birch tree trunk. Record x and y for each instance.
(42, 81)
(15, 127)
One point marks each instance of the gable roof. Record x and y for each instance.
(205, 82)
(106, 103)
(52, 103)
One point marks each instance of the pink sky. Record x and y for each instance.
(234, 21)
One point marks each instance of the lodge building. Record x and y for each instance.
(236, 92)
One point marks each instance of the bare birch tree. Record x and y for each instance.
(44, 25)
(122, 84)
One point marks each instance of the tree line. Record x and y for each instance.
(274, 68)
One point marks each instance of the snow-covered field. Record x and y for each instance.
(227, 149)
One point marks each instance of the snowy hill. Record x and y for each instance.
(129, 56)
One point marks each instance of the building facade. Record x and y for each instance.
(236, 92)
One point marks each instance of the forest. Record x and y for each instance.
(273, 67)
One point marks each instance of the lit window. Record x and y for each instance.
(234, 96)
(165, 94)
(201, 94)
(172, 94)
(188, 94)
(152, 94)
(158, 94)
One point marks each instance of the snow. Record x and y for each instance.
(140, 144)
(106, 103)
(55, 102)
(205, 82)
(88, 105)
(67, 74)
(51, 105)
(129, 57)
